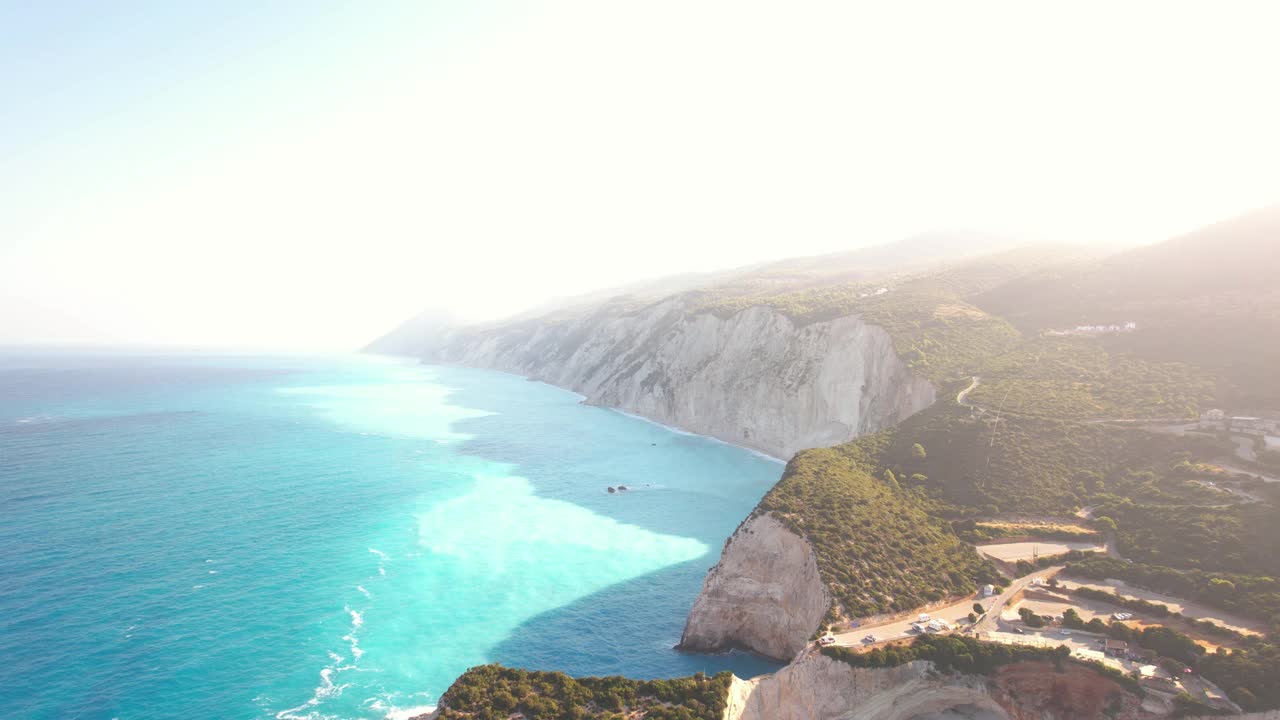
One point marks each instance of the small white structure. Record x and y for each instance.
(988, 590)
(1247, 425)
(924, 618)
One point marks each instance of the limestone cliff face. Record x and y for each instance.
(754, 379)
(765, 594)
(818, 688)
(815, 687)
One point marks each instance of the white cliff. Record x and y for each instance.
(815, 687)
(819, 688)
(765, 594)
(755, 379)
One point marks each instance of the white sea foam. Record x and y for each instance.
(379, 553)
(364, 592)
(326, 689)
(409, 712)
(357, 621)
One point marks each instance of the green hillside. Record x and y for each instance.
(493, 692)
(877, 550)
(1210, 299)
(978, 463)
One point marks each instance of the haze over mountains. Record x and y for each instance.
(931, 394)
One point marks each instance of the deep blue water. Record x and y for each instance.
(262, 537)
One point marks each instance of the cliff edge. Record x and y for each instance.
(755, 378)
(765, 594)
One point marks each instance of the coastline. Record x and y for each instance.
(680, 431)
(582, 399)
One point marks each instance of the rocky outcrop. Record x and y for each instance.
(755, 378)
(815, 687)
(819, 688)
(765, 594)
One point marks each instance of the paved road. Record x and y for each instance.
(961, 397)
(897, 629)
(991, 622)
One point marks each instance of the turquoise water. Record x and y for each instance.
(288, 537)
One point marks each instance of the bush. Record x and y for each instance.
(492, 692)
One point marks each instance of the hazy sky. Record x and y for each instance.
(308, 174)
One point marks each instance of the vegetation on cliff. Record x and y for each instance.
(1237, 538)
(1208, 299)
(494, 692)
(947, 653)
(942, 335)
(952, 653)
(975, 532)
(978, 464)
(877, 550)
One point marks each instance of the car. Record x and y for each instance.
(870, 639)
(1064, 631)
(827, 639)
(1020, 631)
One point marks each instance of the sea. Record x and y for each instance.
(205, 535)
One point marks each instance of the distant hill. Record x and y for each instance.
(1210, 298)
(415, 336)
(915, 253)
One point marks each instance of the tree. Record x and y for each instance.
(1071, 619)
(891, 480)
(1105, 523)
(1221, 588)
(917, 452)
(1030, 618)
(977, 607)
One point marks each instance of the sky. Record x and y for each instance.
(309, 174)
